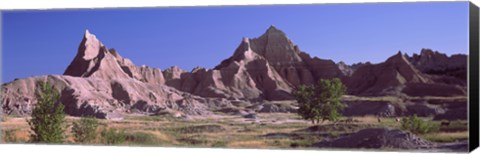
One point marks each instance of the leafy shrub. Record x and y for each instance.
(416, 125)
(113, 136)
(219, 144)
(85, 130)
(320, 101)
(48, 117)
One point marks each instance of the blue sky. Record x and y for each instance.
(44, 42)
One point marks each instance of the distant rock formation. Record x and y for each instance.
(374, 79)
(445, 69)
(397, 76)
(348, 70)
(93, 59)
(434, 62)
(100, 82)
(267, 67)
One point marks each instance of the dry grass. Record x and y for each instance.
(238, 132)
(15, 136)
(14, 123)
(446, 136)
(247, 144)
(396, 98)
(372, 98)
(158, 135)
(452, 98)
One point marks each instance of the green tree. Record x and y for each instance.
(48, 117)
(85, 130)
(416, 125)
(321, 101)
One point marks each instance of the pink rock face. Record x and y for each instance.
(276, 65)
(433, 60)
(394, 76)
(275, 47)
(394, 72)
(91, 46)
(99, 97)
(438, 64)
(100, 82)
(93, 59)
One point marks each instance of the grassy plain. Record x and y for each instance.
(269, 130)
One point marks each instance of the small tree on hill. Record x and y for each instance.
(321, 101)
(48, 117)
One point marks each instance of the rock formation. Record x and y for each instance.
(434, 62)
(398, 76)
(442, 68)
(100, 82)
(267, 67)
(94, 59)
(396, 71)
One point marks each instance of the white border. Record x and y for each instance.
(58, 4)
(80, 149)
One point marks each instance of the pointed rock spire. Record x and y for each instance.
(399, 57)
(273, 29)
(274, 32)
(276, 47)
(90, 46)
(94, 59)
(87, 32)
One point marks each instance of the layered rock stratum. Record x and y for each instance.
(100, 82)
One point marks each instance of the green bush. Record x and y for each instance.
(48, 117)
(219, 144)
(416, 125)
(321, 101)
(85, 130)
(113, 136)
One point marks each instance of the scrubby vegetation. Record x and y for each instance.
(268, 130)
(85, 130)
(416, 125)
(321, 101)
(48, 117)
(9, 136)
(113, 136)
(141, 138)
(289, 131)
